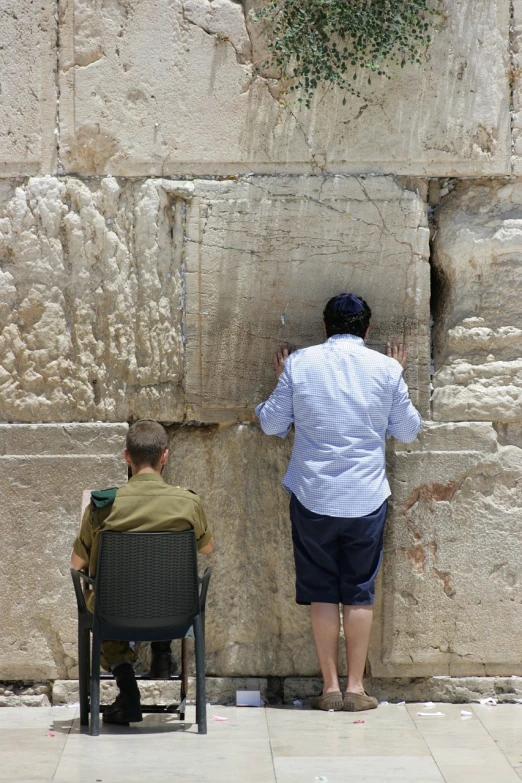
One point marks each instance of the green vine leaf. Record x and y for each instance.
(317, 42)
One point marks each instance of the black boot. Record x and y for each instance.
(163, 665)
(127, 708)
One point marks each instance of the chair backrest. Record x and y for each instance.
(147, 582)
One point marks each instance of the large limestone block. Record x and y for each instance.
(451, 592)
(263, 256)
(43, 471)
(28, 102)
(254, 628)
(167, 87)
(91, 297)
(478, 335)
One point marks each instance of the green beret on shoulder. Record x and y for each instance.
(100, 498)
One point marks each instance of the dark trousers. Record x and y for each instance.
(336, 558)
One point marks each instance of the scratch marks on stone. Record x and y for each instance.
(373, 203)
(217, 20)
(316, 165)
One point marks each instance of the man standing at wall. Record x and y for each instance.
(344, 400)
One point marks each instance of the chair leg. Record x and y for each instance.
(184, 674)
(201, 701)
(84, 656)
(95, 685)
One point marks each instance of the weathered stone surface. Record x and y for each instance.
(90, 298)
(453, 690)
(254, 628)
(478, 334)
(222, 690)
(151, 692)
(21, 695)
(162, 87)
(41, 490)
(219, 690)
(263, 257)
(451, 589)
(27, 88)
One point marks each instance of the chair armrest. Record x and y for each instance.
(203, 581)
(80, 598)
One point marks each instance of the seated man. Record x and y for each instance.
(145, 504)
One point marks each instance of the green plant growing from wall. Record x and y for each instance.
(331, 42)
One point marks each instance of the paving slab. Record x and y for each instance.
(272, 745)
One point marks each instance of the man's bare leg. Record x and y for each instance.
(357, 623)
(326, 626)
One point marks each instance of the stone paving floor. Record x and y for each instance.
(283, 745)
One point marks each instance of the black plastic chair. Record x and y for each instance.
(147, 589)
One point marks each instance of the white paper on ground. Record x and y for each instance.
(401, 703)
(490, 701)
(466, 714)
(431, 714)
(428, 705)
(249, 699)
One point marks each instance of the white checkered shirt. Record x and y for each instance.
(344, 400)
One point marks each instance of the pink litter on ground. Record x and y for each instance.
(49, 734)
(358, 721)
(218, 718)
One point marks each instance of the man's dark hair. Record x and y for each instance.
(146, 442)
(347, 314)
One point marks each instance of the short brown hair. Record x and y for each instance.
(146, 442)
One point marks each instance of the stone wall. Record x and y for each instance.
(43, 470)
(165, 220)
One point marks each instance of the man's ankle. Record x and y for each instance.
(331, 688)
(355, 687)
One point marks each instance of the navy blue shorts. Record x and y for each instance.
(336, 558)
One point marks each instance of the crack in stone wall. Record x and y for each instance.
(514, 75)
(57, 130)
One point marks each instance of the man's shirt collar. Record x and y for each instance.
(146, 477)
(351, 337)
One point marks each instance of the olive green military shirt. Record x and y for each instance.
(146, 504)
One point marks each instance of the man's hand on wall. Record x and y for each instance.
(397, 351)
(282, 352)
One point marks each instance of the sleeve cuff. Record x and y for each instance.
(80, 550)
(205, 539)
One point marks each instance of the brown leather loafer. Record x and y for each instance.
(328, 701)
(355, 702)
